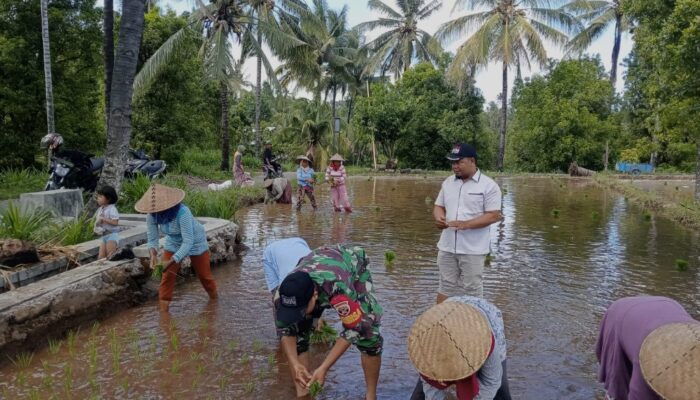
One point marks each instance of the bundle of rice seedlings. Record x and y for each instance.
(325, 335)
(157, 273)
(315, 389)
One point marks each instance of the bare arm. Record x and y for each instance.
(301, 374)
(439, 215)
(340, 347)
(486, 219)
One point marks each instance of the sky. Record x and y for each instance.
(488, 79)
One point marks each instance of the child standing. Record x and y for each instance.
(335, 175)
(107, 221)
(305, 179)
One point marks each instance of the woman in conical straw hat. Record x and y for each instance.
(184, 237)
(336, 175)
(648, 349)
(460, 342)
(306, 180)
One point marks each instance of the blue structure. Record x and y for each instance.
(634, 168)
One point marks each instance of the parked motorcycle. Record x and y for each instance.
(74, 169)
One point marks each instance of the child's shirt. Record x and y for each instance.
(107, 212)
(338, 175)
(304, 176)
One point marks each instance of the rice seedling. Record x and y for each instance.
(47, 381)
(647, 216)
(70, 341)
(325, 335)
(555, 213)
(215, 355)
(488, 259)
(34, 394)
(377, 209)
(174, 342)
(175, 366)
(157, 273)
(428, 200)
(256, 346)
(389, 257)
(203, 324)
(249, 387)
(245, 359)
(153, 339)
(595, 215)
(54, 345)
(94, 329)
(271, 360)
(231, 345)
(222, 383)
(67, 377)
(21, 378)
(504, 191)
(315, 389)
(201, 368)
(194, 356)
(92, 354)
(124, 385)
(115, 346)
(22, 360)
(195, 383)
(682, 265)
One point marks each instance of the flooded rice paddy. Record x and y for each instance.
(564, 251)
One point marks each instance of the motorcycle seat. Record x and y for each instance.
(97, 163)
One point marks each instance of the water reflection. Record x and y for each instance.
(551, 276)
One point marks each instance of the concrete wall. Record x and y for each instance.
(62, 202)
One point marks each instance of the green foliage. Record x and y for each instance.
(14, 182)
(68, 233)
(22, 224)
(421, 117)
(563, 116)
(76, 42)
(222, 204)
(203, 163)
(389, 257)
(315, 389)
(682, 265)
(326, 335)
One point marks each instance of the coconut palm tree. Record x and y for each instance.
(119, 133)
(221, 22)
(108, 48)
(598, 15)
(395, 49)
(48, 85)
(508, 31)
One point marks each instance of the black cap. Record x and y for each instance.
(461, 151)
(295, 293)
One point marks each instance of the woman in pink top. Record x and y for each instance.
(648, 349)
(335, 175)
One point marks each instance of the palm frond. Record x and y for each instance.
(557, 19)
(379, 23)
(380, 6)
(533, 42)
(162, 57)
(429, 9)
(585, 6)
(461, 25)
(583, 40)
(551, 34)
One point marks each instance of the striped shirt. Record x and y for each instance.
(184, 235)
(337, 175)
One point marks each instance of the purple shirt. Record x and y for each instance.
(625, 325)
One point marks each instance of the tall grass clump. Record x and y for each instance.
(22, 223)
(14, 182)
(222, 204)
(68, 233)
(132, 190)
(203, 163)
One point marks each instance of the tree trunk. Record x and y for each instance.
(504, 118)
(616, 49)
(335, 134)
(224, 126)
(258, 89)
(48, 85)
(697, 172)
(655, 140)
(108, 47)
(125, 62)
(351, 100)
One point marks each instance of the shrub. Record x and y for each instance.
(14, 182)
(22, 224)
(68, 233)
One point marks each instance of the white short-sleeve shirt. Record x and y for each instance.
(464, 200)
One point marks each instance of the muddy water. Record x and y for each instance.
(552, 276)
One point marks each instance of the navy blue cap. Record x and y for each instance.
(461, 151)
(295, 293)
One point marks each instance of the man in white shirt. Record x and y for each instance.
(281, 257)
(468, 203)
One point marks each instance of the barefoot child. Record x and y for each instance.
(107, 221)
(305, 179)
(335, 175)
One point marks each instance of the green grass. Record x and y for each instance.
(22, 360)
(22, 223)
(389, 257)
(326, 335)
(682, 265)
(14, 182)
(204, 163)
(69, 233)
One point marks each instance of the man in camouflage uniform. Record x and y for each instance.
(335, 277)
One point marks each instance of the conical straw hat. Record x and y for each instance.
(303, 158)
(337, 157)
(449, 342)
(670, 361)
(159, 198)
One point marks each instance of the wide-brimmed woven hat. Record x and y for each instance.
(337, 157)
(670, 361)
(159, 198)
(303, 158)
(267, 183)
(449, 342)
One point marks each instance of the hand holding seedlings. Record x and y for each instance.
(315, 389)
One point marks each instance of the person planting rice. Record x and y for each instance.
(336, 175)
(336, 277)
(184, 237)
(306, 180)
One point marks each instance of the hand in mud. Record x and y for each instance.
(318, 376)
(301, 375)
(441, 223)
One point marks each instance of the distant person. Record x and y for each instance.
(336, 175)
(269, 158)
(467, 204)
(649, 348)
(240, 177)
(306, 180)
(278, 190)
(335, 277)
(107, 221)
(184, 237)
(460, 342)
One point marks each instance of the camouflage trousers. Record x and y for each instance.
(309, 191)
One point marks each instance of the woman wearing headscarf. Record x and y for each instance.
(184, 237)
(240, 177)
